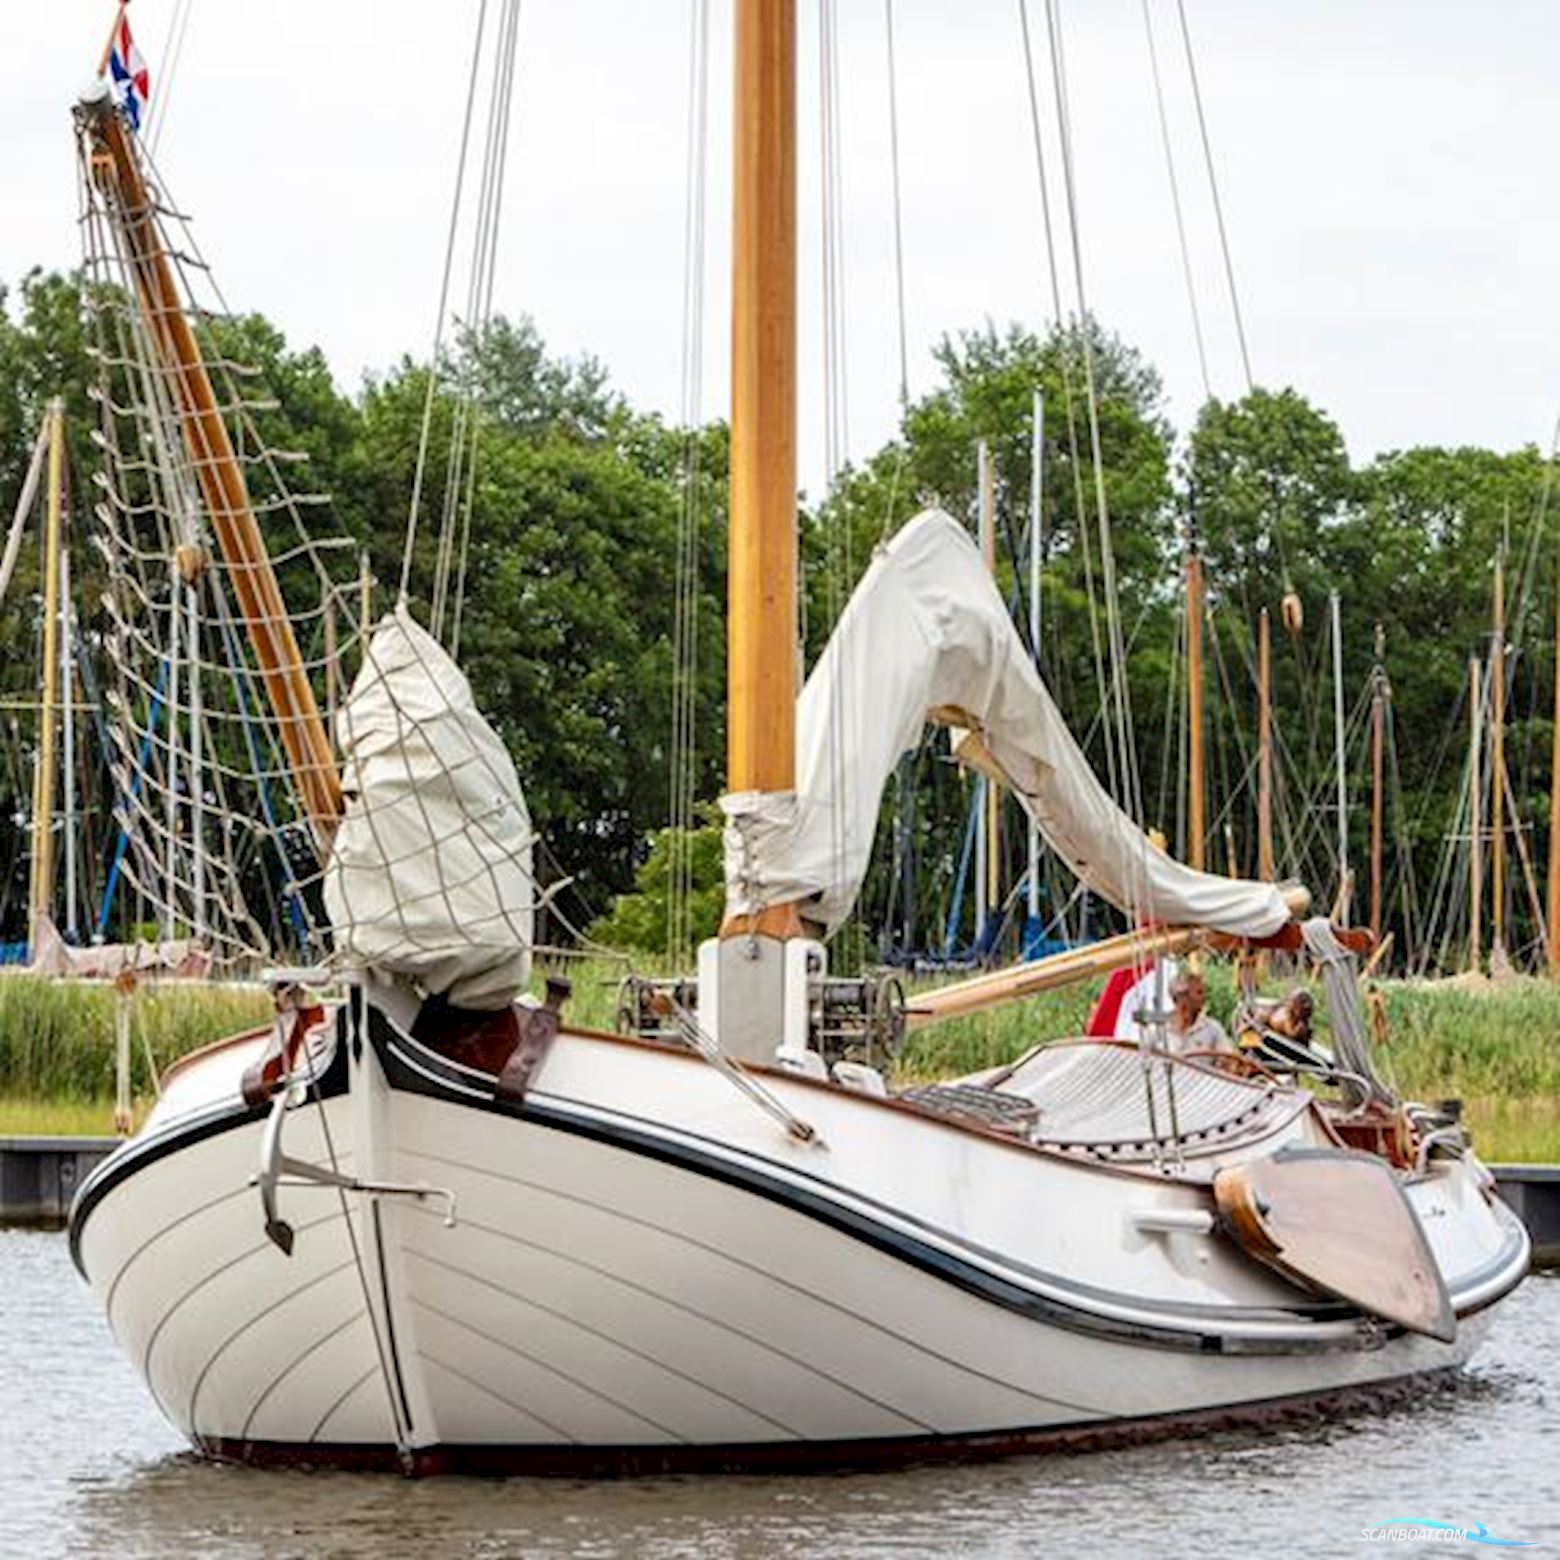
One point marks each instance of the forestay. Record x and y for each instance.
(925, 637)
(430, 875)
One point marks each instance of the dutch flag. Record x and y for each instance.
(127, 72)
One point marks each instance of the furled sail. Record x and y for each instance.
(430, 873)
(926, 636)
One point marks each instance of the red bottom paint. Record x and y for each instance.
(811, 1456)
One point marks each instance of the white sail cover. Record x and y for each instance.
(430, 873)
(927, 633)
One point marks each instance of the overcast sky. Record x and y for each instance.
(1385, 169)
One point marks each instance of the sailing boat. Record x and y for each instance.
(420, 1224)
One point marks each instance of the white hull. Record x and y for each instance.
(689, 1286)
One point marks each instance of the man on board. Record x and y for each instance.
(1191, 1026)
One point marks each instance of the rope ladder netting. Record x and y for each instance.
(221, 831)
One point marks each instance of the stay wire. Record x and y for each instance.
(1175, 202)
(1213, 190)
(434, 364)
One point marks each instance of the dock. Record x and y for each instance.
(1532, 1192)
(39, 1176)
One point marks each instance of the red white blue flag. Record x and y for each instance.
(127, 73)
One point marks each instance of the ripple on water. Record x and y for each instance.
(87, 1467)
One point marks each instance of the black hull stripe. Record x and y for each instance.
(138, 1153)
(430, 1076)
(420, 1079)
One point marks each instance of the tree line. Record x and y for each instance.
(582, 506)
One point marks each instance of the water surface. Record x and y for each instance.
(87, 1467)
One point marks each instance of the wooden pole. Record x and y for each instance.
(989, 879)
(1554, 801)
(1036, 532)
(1498, 767)
(116, 170)
(1378, 725)
(1061, 969)
(1345, 886)
(1264, 748)
(1058, 969)
(108, 43)
(68, 743)
(41, 899)
(761, 619)
(1475, 815)
(332, 671)
(1195, 780)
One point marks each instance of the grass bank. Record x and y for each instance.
(1495, 1047)
(57, 1037)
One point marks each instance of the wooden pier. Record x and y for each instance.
(39, 1176)
(1532, 1192)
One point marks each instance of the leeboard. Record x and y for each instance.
(1338, 1223)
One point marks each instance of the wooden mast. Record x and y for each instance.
(41, 897)
(761, 588)
(1264, 748)
(1378, 732)
(1196, 821)
(1475, 818)
(116, 170)
(1498, 767)
(1554, 801)
(989, 878)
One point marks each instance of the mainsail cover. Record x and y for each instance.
(430, 873)
(926, 636)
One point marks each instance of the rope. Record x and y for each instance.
(896, 474)
(439, 318)
(1213, 190)
(1070, 414)
(1175, 201)
(173, 51)
(1131, 793)
(686, 584)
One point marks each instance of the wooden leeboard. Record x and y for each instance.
(1338, 1223)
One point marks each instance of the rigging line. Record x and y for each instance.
(1131, 781)
(486, 319)
(1175, 201)
(686, 569)
(899, 231)
(173, 52)
(836, 509)
(1172, 709)
(1213, 190)
(901, 454)
(1064, 357)
(1529, 572)
(444, 294)
(462, 452)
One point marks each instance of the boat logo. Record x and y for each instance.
(1423, 1530)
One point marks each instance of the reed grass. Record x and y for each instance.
(1497, 1041)
(1495, 1046)
(57, 1036)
